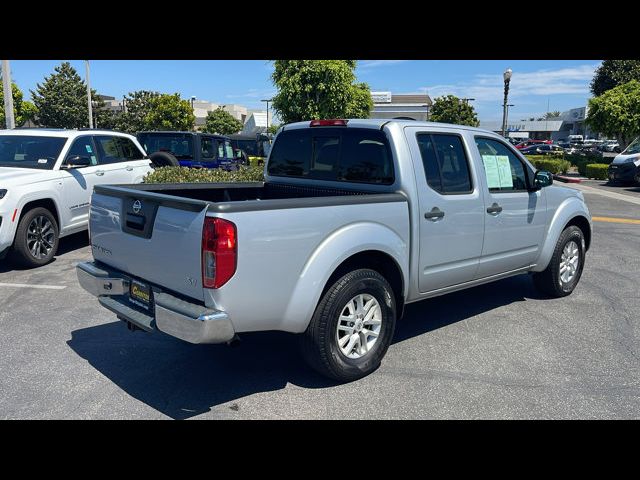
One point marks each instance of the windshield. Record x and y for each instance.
(180, 145)
(634, 147)
(22, 151)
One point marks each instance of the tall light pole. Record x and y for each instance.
(467, 100)
(507, 78)
(86, 64)
(193, 99)
(267, 100)
(507, 114)
(8, 95)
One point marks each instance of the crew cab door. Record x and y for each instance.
(451, 221)
(515, 218)
(78, 183)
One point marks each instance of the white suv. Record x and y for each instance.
(46, 180)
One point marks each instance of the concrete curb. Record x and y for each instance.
(564, 179)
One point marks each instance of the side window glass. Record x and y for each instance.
(220, 149)
(445, 163)
(208, 148)
(129, 150)
(228, 149)
(503, 169)
(108, 150)
(82, 147)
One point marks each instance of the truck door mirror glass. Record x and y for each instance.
(542, 179)
(77, 161)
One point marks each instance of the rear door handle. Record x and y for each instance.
(99, 173)
(494, 209)
(434, 214)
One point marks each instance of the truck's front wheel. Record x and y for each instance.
(352, 326)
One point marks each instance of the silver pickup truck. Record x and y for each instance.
(355, 219)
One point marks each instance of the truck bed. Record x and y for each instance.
(237, 197)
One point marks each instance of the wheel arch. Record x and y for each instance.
(47, 203)
(583, 224)
(381, 262)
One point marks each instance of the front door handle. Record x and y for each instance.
(494, 209)
(99, 173)
(129, 169)
(434, 214)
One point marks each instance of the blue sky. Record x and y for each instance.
(562, 83)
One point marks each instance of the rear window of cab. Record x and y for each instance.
(333, 153)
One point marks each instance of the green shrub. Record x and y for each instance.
(597, 171)
(531, 158)
(204, 175)
(581, 161)
(550, 165)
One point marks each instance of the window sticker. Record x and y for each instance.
(88, 147)
(94, 161)
(490, 163)
(504, 169)
(43, 160)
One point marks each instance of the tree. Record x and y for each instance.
(273, 129)
(617, 112)
(222, 122)
(61, 100)
(170, 112)
(451, 109)
(146, 110)
(23, 110)
(613, 73)
(315, 89)
(550, 115)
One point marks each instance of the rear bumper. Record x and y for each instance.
(187, 321)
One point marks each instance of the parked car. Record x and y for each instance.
(189, 149)
(544, 149)
(46, 180)
(356, 219)
(625, 167)
(255, 146)
(528, 143)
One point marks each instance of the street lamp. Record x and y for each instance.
(467, 100)
(507, 114)
(193, 99)
(507, 78)
(267, 100)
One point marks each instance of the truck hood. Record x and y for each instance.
(621, 158)
(10, 176)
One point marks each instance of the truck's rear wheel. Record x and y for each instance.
(352, 326)
(562, 274)
(36, 240)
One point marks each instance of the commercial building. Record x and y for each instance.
(404, 106)
(570, 122)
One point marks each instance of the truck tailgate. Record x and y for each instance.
(152, 236)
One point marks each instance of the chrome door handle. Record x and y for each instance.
(434, 215)
(99, 173)
(494, 209)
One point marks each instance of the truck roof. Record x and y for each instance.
(174, 132)
(379, 122)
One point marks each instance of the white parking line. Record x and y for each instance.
(23, 285)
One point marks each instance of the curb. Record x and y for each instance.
(567, 179)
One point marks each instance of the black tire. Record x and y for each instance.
(319, 344)
(21, 251)
(164, 159)
(548, 281)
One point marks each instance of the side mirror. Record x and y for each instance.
(77, 161)
(542, 179)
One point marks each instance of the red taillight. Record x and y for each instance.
(328, 123)
(219, 252)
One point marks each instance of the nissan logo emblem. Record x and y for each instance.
(137, 206)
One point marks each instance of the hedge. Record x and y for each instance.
(581, 161)
(597, 171)
(550, 165)
(204, 175)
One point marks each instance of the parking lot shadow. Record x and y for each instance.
(67, 245)
(183, 380)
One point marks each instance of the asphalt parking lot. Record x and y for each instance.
(495, 351)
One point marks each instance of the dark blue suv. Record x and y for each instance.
(189, 149)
